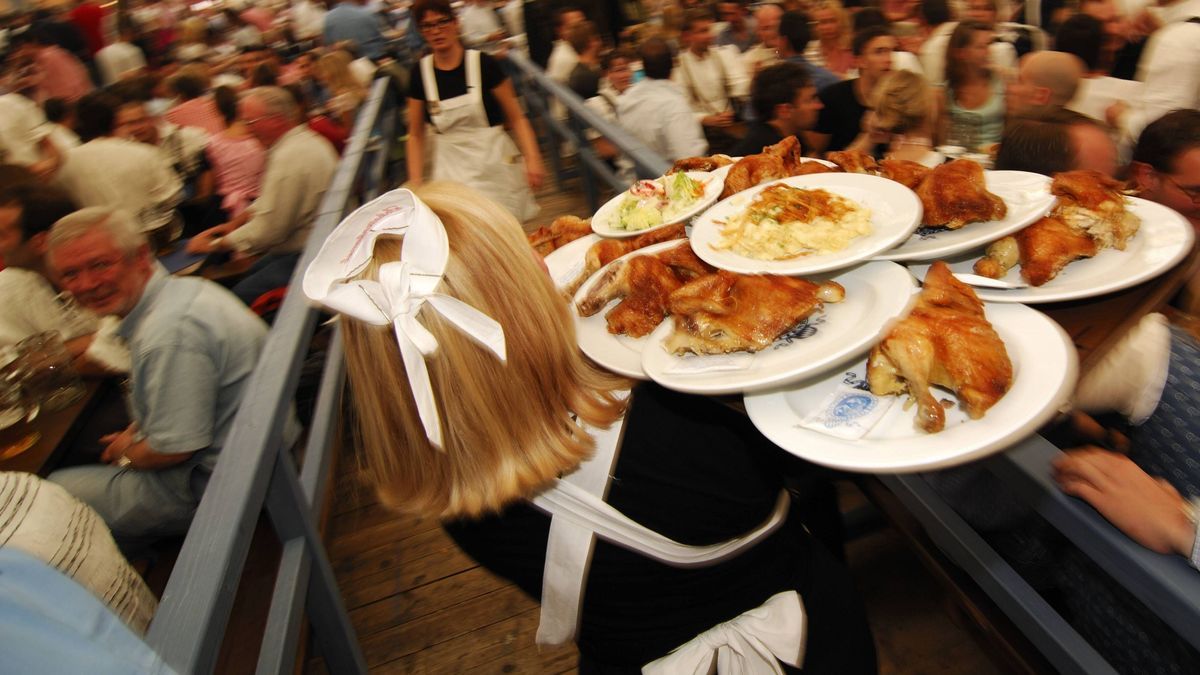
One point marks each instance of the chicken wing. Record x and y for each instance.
(607, 250)
(955, 194)
(644, 282)
(726, 312)
(775, 161)
(905, 172)
(1093, 202)
(944, 341)
(853, 161)
(1043, 249)
(710, 163)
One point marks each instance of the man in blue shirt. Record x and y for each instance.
(350, 21)
(193, 346)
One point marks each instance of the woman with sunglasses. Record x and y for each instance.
(468, 101)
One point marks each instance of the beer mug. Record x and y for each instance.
(47, 373)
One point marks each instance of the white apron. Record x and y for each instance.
(749, 644)
(469, 151)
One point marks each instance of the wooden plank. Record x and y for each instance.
(365, 528)
(422, 633)
(423, 600)
(389, 555)
(501, 647)
(439, 565)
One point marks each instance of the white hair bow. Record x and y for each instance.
(403, 287)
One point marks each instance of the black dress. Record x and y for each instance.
(699, 473)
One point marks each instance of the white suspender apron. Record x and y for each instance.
(471, 152)
(748, 644)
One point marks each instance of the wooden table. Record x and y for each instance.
(56, 429)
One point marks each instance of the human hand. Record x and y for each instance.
(1147, 509)
(535, 173)
(44, 169)
(206, 241)
(1113, 113)
(723, 119)
(116, 445)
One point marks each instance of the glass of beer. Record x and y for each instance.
(48, 375)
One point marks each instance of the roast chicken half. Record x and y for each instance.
(944, 341)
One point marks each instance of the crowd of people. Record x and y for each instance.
(123, 133)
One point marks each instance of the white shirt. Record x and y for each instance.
(308, 19)
(478, 22)
(299, 168)
(22, 128)
(1170, 69)
(118, 59)
(1096, 94)
(709, 81)
(31, 306)
(657, 113)
(563, 60)
(123, 174)
(756, 58)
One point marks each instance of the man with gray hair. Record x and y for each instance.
(193, 347)
(300, 166)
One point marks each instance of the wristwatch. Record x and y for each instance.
(124, 462)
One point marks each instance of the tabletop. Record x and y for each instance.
(53, 428)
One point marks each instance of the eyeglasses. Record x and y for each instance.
(1193, 193)
(431, 26)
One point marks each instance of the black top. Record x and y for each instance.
(699, 473)
(841, 118)
(758, 136)
(453, 83)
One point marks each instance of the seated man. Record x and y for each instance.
(1045, 83)
(785, 103)
(31, 304)
(300, 165)
(193, 348)
(657, 112)
(1061, 140)
(846, 102)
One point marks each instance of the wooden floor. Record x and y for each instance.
(421, 606)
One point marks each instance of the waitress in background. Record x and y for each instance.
(465, 96)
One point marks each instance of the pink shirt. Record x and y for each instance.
(238, 165)
(199, 112)
(62, 75)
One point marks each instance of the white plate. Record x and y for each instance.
(875, 293)
(1044, 371)
(895, 214)
(1163, 239)
(566, 262)
(605, 220)
(619, 353)
(1027, 196)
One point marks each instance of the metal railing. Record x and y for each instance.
(257, 472)
(538, 89)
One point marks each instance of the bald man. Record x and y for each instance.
(1046, 81)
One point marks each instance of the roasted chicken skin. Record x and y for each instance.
(775, 161)
(1091, 201)
(605, 251)
(727, 312)
(853, 161)
(945, 341)
(904, 171)
(955, 194)
(564, 230)
(710, 163)
(1043, 250)
(644, 283)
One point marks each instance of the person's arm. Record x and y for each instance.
(130, 445)
(1149, 510)
(48, 165)
(526, 141)
(415, 148)
(210, 240)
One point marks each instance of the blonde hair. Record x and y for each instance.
(845, 29)
(118, 223)
(509, 429)
(334, 70)
(903, 101)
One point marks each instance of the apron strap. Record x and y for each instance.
(429, 82)
(475, 87)
(579, 513)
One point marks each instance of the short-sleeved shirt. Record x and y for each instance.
(193, 345)
(451, 83)
(841, 118)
